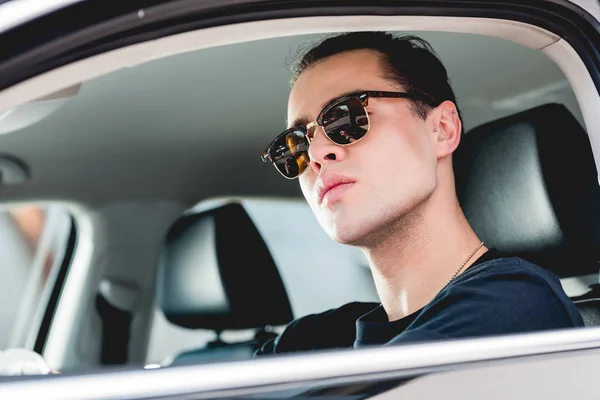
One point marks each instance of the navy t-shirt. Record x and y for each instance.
(496, 295)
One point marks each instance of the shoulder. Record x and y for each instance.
(504, 295)
(510, 274)
(330, 329)
(497, 297)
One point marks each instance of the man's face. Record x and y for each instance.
(392, 169)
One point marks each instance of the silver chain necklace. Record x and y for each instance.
(464, 263)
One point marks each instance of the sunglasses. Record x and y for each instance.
(344, 120)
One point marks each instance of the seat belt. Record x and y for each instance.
(115, 304)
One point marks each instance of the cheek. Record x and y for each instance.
(399, 153)
(393, 143)
(307, 183)
(407, 136)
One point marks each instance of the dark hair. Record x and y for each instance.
(407, 60)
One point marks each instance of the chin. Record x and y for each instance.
(343, 224)
(349, 232)
(344, 238)
(363, 230)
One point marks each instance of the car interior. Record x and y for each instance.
(186, 249)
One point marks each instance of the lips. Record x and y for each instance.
(331, 186)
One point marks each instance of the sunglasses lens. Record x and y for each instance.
(346, 122)
(290, 153)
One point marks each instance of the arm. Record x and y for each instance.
(328, 330)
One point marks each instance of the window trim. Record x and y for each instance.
(293, 371)
(112, 32)
(98, 27)
(51, 306)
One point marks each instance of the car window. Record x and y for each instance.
(152, 151)
(317, 273)
(33, 241)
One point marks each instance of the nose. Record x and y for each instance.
(323, 151)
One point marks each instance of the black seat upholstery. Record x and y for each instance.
(589, 310)
(216, 273)
(528, 185)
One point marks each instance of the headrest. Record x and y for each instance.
(217, 273)
(528, 185)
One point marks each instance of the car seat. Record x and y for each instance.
(216, 273)
(528, 185)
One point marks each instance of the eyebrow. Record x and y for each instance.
(303, 121)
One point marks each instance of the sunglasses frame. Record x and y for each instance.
(363, 97)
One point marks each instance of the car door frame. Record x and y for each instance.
(97, 30)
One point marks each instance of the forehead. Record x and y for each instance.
(336, 75)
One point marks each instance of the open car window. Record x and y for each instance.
(136, 106)
(319, 275)
(191, 251)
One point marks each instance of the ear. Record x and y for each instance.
(449, 127)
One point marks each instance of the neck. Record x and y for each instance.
(419, 254)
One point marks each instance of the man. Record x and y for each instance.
(373, 126)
